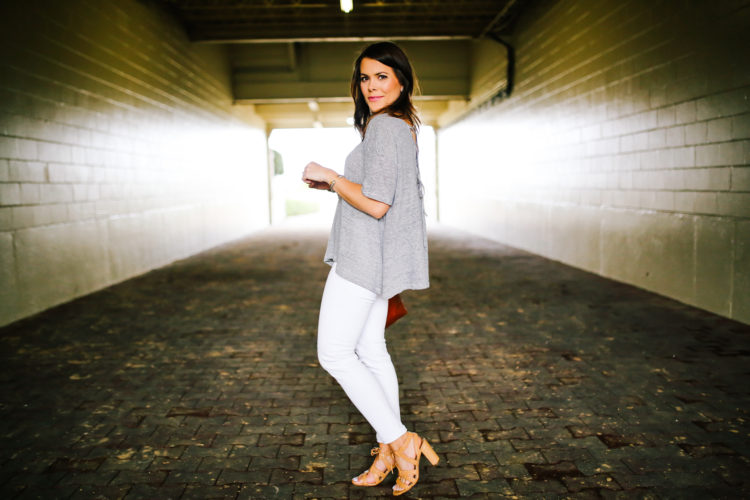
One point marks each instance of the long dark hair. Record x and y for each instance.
(391, 55)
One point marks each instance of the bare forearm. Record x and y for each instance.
(315, 174)
(351, 192)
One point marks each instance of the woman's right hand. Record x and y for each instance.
(315, 173)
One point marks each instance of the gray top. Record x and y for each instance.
(387, 255)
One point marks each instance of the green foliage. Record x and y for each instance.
(298, 207)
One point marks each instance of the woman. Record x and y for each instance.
(377, 248)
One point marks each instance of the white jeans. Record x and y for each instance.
(351, 347)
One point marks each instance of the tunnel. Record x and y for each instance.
(597, 150)
(610, 137)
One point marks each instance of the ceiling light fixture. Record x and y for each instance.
(347, 5)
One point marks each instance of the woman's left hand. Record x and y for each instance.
(318, 185)
(314, 173)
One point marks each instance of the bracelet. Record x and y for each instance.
(333, 183)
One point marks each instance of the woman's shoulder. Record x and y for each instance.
(385, 121)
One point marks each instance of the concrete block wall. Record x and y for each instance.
(624, 149)
(120, 149)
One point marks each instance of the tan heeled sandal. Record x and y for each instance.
(407, 478)
(385, 457)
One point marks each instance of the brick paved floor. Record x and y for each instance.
(531, 379)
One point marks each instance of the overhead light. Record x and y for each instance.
(347, 5)
(317, 124)
(313, 105)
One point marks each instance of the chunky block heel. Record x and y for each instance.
(407, 478)
(429, 453)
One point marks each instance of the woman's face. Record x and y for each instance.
(378, 84)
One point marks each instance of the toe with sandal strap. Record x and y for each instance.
(382, 466)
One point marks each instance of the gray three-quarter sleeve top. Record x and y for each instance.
(387, 255)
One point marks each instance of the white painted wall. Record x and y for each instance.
(624, 149)
(120, 149)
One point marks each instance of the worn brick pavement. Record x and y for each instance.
(530, 378)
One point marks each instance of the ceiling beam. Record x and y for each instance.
(241, 40)
(457, 88)
(304, 71)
